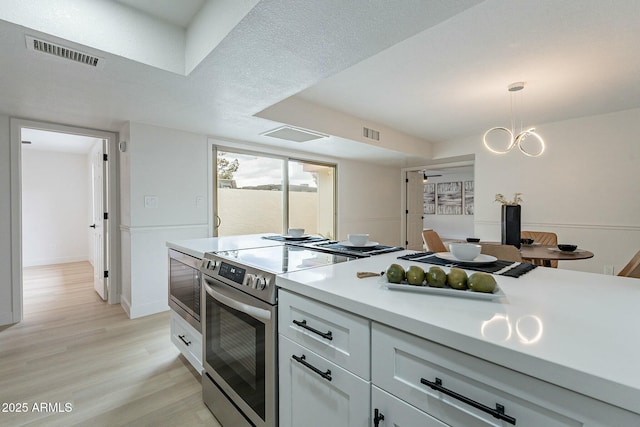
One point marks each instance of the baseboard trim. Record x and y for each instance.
(136, 311)
(6, 318)
(126, 306)
(52, 261)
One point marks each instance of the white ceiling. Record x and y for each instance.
(179, 13)
(56, 141)
(434, 70)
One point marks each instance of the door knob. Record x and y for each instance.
(92, 226)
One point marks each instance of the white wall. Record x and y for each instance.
(56, 203)
(451, 226)
(172, 166)
(584, 187)
(369, 201)
(6, 294)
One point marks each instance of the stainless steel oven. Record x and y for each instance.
(184, 286)
(240, 356)
(239, 332)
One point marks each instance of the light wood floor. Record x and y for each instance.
(74, 348)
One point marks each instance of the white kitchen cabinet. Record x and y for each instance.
(317, 392)
(388, 410)
(341, 337)
(468, 389)
(187, 339)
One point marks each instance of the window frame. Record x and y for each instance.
(285, 182)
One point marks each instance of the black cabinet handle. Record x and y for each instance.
(302, 359)
(92, 226)
(377, 417)
(183, 340)
(497, 413)
(303, 324)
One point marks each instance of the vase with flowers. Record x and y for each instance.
(510, 219)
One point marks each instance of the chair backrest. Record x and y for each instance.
(503, 252)
(632, 269)
(433, 242)
(542, 238)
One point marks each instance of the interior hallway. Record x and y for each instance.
(88, 363)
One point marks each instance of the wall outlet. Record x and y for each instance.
(151, 202)
(608, 269)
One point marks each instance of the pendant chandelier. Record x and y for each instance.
(515, 140)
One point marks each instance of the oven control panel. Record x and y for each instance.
(232, 272)
(254, 281)
(240, 276)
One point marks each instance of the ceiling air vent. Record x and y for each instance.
(291, 133)
(63, 52)
(371, 134)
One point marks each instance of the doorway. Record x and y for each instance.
(63, 202)
(438, 196)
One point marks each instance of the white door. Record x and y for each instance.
(98, 170)
(414, 210)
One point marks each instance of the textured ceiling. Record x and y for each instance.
(180, 12)
(435, 70)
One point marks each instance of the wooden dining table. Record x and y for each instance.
(547, 253)
(544, 253)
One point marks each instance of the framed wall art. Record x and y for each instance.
(449, 198)
(429, 199)
(468, 197)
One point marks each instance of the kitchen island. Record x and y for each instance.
(198, 247)
(572, 330)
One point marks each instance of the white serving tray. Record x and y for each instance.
(497, 293)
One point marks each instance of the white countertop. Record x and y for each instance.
(198, 247)
(577, 330)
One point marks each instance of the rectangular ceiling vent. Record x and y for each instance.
(63, 52)
(291, 133)
(371, 134)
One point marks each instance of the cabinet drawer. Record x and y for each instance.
(336, 335)
(397, 413)
(402, 362)
(316, 392)
(187, 339)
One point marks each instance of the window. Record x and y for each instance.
(250, 194)
(311, 197)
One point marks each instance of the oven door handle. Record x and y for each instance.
(255, 312)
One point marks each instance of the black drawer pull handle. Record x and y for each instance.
(183, 340)
(303, 324)
(377, 417)
(302, 359)
(497, 413)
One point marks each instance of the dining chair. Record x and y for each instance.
(632, 269)
(543, 238)
(502, 252)
(433, 242)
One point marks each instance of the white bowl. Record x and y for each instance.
(358, 239)
(296, 232)
(465, 251)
